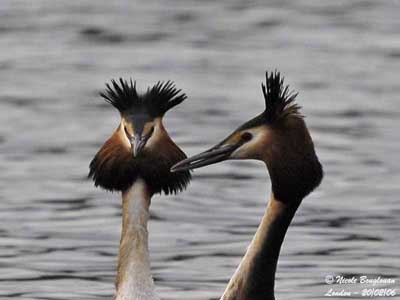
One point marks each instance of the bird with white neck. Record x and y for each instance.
(136, 162)
(279, 137)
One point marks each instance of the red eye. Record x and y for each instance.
(246, 136)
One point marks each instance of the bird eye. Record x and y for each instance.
(151, 131)
(247, 136)
(127, 133)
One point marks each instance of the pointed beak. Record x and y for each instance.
(215, 154)
(137, 144)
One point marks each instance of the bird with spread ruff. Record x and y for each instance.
(136, 161)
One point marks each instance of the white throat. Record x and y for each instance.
(134, 280)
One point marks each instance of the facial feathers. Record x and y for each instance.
(114, 167)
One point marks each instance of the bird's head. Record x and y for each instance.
(278, 136)
(141, 146)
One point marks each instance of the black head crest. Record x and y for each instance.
(279, 103)
(156, 101)
(279, 99)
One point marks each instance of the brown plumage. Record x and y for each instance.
(136, 160)
(114, 167)
(279, 137)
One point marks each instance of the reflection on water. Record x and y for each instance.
(59, 235)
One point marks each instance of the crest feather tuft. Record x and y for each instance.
(279, 99)
(156, 101)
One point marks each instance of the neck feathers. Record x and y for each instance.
(292, 163)
(294, 171)
(255, 277)
(134, 280)
(115, 169)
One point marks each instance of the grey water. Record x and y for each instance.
(59, 234)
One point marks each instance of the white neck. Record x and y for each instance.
(134, 280)
(255, 277)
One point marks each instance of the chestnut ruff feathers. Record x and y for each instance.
(115, 169)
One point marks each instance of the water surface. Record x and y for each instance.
(59, 235)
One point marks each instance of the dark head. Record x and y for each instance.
(140, 147)
(279, 137)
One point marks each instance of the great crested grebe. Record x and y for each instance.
(136, 161)
(278, 137)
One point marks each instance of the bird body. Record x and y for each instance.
(279, 137)
(136, 161)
